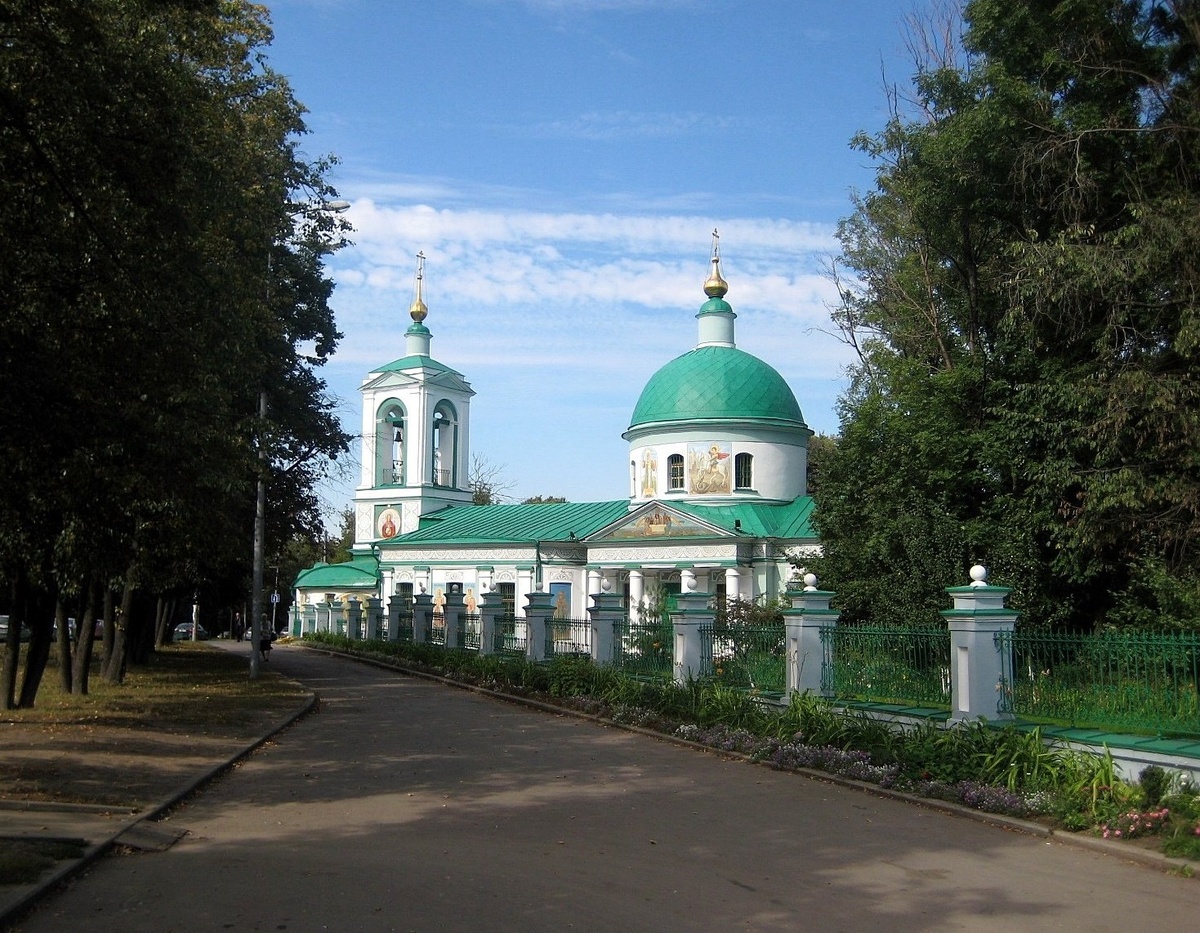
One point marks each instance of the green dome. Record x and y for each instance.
(716, 382)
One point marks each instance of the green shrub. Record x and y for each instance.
(1154, 782)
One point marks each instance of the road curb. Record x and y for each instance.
(21, 898)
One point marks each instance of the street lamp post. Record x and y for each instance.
(257, 616)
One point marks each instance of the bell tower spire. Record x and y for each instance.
(417, 336)
(716, 316)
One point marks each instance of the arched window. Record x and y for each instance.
(389, 445)
(445, 444)
(632, 478)
(743, 471)
(675, 471)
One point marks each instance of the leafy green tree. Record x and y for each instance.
(158, 279)
(1023, 301)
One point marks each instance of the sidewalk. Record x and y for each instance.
(98, 828)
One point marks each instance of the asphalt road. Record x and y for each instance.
(404, 804)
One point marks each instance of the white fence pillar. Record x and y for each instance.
(976, 668)
(354, 617)
(537, 615)
(374, 614)
(452, 612)
(808, 614)
(422, 618)
(694, 612)
(605, 612)
(491, 607)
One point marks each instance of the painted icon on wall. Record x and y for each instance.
(649, 473)
(709, 468)
(389, 523)
(560, 599)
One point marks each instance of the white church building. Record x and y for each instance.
(717, 503)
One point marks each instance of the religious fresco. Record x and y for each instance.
(660, 524)
(649, 473)
(560, 599)
(455, 581)
(710, 468)
(388, 523)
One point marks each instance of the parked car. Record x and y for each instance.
(183, 631)
(4, 630)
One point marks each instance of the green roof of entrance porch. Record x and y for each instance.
(359, 572)
(717, 383)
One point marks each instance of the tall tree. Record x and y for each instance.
(1023, 300)
(159, 275)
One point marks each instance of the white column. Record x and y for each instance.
(386, 573)
(637, 592)
(733, 583)
(593, 582)
(524, 585)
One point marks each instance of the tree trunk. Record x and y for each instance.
(12, 645)
(139, 633)
(114, 672)
(87, 637)
(160, 623)
(108, 629)
(41, 636)
(65, 666)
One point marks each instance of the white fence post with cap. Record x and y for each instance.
(808, 613)
(976, 666)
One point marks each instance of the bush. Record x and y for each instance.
(995, 770)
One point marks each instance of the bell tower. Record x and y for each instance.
(415, 433)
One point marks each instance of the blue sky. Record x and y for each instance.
(562, 164)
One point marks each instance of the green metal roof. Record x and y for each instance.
(716, 383)
(416, 361)
(758, 519)
(509, 524)
(555, 521)
(360, 572)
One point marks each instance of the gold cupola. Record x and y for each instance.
(714, 285)
(418, 310)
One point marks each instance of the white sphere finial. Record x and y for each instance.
(979, 575)
(605, 585)
(687, 582)
(810, 582)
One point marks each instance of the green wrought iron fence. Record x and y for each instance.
(510, 635)
(747, 657)
(1118, 680)
(568, 637)
(437, 630)
(887, 665)
(643, 648)
(470, 633)
(404, 628)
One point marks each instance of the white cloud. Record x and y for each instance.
(558, 318)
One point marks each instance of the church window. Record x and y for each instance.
(743, 471)
(445, 445)
(508, 598)
(389, 445)
(675, 471)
